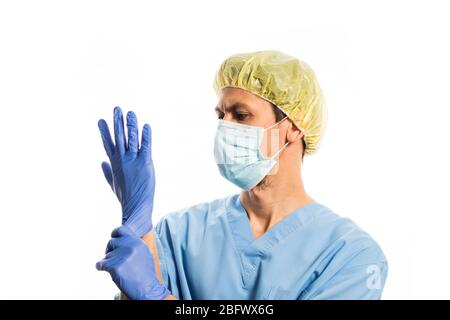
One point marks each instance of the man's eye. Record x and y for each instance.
(220, 115)
(241, 116)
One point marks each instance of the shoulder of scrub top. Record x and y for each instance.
(353, 239)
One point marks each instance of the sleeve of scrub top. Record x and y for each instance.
(357, 276)
(165, 256)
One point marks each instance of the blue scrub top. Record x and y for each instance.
(208, 251)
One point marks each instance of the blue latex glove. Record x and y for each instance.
(131, 173)
(130, 264)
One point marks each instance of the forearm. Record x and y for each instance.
(149, 239)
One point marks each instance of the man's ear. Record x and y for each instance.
(294, 134)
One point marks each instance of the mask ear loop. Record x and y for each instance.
(275, 124)
(285, 145)
(278, 152)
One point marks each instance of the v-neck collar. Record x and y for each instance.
(244, 239)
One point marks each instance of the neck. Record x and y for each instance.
(279, 195)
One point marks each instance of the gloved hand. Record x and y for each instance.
(131, 173)
(130, 264)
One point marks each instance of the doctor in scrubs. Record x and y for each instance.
(270, 241)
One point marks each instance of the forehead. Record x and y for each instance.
(230, 96)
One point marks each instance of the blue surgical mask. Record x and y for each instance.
(238, 155)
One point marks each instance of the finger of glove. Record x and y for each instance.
(106, 137)
(103, 265)
(122, 231)
(113, 243)
(132, 126)
(119, 132)
(107, 171)
(146, 144)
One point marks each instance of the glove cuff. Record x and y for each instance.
(155, 292)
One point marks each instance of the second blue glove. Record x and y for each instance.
(131, 266)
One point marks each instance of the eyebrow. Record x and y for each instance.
(233, 107)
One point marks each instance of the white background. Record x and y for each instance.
(384, 68)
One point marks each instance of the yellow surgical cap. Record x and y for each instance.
(288, 83)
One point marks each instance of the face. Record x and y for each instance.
(240, 106)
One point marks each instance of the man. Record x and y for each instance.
(272, 240)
